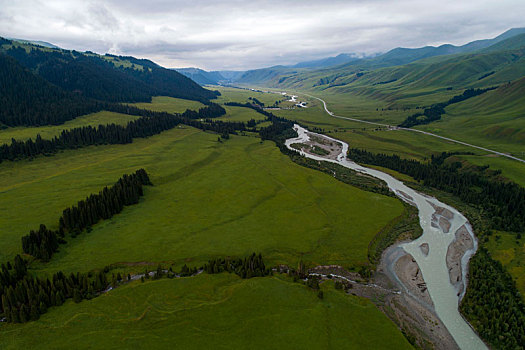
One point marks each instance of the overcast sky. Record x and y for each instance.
(235, 34)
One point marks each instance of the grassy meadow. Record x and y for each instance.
(48, 132)
(208, 199)
(211, 311)
(169, 104)
(240, 114)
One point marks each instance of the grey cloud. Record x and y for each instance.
(241, 34)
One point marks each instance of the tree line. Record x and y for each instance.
(151, 123)
(255, 107)
(44, 242)
(250, 266)
(435, 111)
(504, 202)
(25, 297)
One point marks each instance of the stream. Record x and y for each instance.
(432, 261)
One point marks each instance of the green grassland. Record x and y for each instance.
(377, 139)
(169, 104)
(211, 311)
(495, 120)
(510, 251)
(48, 132)
(240, 114)
(209, 199)
(229, 94)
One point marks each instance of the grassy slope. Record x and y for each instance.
(511, 253)
(209, 199)
(211, 311)
(169, 104)
(48, 132)
(495, 119)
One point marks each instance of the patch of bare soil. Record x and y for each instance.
(444, 224)
(418, 322)
(461, 244)
(333, 148)
(406, 195)
(441, 217)
(408, 272)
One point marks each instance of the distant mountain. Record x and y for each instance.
(231, 75)
(257, 76)
(201, 76)
(35, 42)
(332, 75)
(400, 56)
(511, 43)
(327, 62)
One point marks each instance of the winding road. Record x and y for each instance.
(418, 131)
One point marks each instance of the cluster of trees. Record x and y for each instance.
(435, 111)
(213, 110)
(256, 101)
(25, 297)
(504, 202)
(251, 266)
(150, 124)
(43, 243)
(280, 130)
(493, 304)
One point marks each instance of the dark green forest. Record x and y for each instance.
(503, 201)
(492, 303)
(151, 123)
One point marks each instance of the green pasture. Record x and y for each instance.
(211, 311)
(240, 114)
(48, 132)
(229, 94)
(209, 199)
(169, 104)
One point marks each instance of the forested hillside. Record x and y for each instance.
(43, 86)
(28, 99)
(107, 78)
